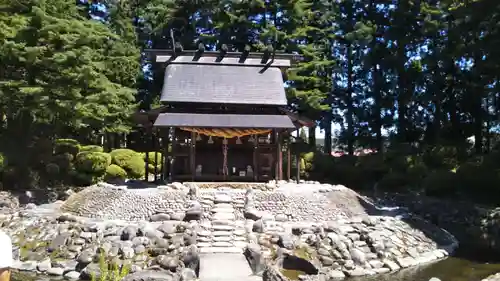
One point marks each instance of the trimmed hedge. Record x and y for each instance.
(94, 163)
(3, 162)
(91, 148)
(115, 172)
(70, 146)
(132, 162)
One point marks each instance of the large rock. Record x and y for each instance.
(297, 263)
(191, 259)
(255, 259)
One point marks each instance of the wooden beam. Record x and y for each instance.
(228, 61)
(249, 55)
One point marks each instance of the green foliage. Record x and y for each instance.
(110, 270)
(83, 179)
(441, 183)
(92, 162)
(131, 161)
(52, 169)
(64, 161)
(70, 146)
(91, 148)
(3, 162)
(115, 172)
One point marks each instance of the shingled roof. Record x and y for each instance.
(209, 83)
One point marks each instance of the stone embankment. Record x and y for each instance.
(495, 277)
(164, 231)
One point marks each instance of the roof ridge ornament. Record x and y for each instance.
(176, 46)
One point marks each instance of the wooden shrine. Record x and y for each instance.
(224, 115)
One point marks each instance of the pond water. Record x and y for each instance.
(461, 267)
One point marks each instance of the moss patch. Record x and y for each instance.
(292, 274)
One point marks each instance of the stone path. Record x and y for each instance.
(225, 267)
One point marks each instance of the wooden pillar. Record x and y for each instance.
(255, 155)
(148, 149)
(172, 159)
(155, 147)
(164, 158)
(280, 155)
(288, 160)
(277, 156)
(297, 155)
(192, 152)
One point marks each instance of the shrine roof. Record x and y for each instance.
(223, 120)
(223, 84)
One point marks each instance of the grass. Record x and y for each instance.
(110, 271)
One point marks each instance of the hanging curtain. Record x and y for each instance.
(226, 132)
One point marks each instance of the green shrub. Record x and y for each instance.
(110, 270)
(52, 169)
(115, 172)
(131, 161)
(442, 183)
(70, 146)
(84, 179)
(478, 182)
(92, 162)
(64, 161)
(91, 148)
(439, 157)
(3, 162)
(394, 182)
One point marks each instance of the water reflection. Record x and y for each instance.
(465, 266)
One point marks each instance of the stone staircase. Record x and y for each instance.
(224, 230)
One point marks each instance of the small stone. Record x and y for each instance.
(336, 274)
(159, 217)
(73, 275)
(391, 265)
(44, 265)
(258, 226)
(177, 216)
(358, 256)
(167, 228)
(55, 271)
(86, 257)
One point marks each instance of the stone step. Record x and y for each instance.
(224, 216)
(222, 210)
(223, 205)
(217, 250)
(222, 227)
(222, 233)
